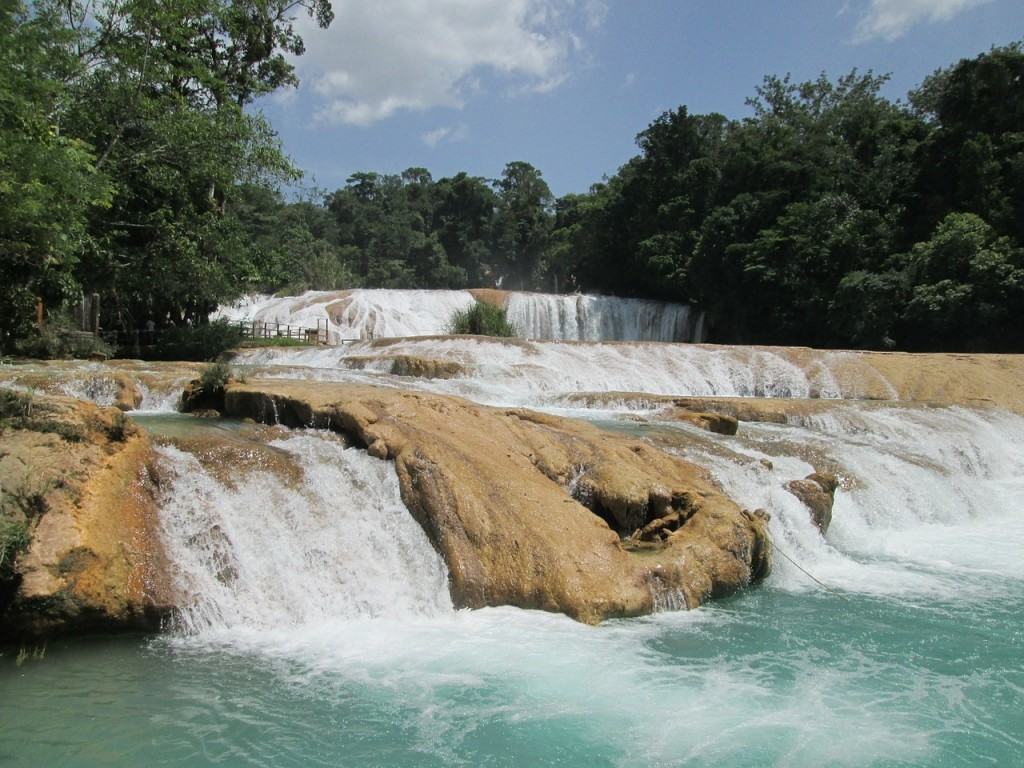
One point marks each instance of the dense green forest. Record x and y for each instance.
(133, 165)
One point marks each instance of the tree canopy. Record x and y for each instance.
(132, 165)
(124, 140)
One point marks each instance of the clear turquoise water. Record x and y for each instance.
(771, 677)
(332, 648)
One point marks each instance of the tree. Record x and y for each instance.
(973, 158)
(523, 223)
(48, 180)
(162, 102)
(464, 211)
(967, 287)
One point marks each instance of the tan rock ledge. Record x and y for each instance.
(532, 510)
(78, 480)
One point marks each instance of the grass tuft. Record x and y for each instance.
(482, 319)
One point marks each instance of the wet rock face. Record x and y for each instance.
(77, 481)
(719, 423)
(817, 492)
(410, 366)
(532, 510)
(201, 400)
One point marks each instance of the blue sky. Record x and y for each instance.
(566, 85)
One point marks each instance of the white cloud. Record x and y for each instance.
(448, 134)
(380, 57)
(890, 19)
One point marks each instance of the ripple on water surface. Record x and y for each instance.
(769, 678)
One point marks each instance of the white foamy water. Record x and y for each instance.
(600, 318)
(540, 373)
(162, 399)
(98, 389)
(339, 545)
(384, 313)
(916, 663)
(159, 384)
(356, 314)
(931, 509)
(469, 677)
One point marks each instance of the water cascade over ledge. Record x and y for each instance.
(318, 628)
(601, 318)
(335, 543)
(926, 537)
(387, 313)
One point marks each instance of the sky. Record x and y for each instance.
(566, 85)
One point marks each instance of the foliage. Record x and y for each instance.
(522, 223)
(48, 179)
(123, 142)
(967, 287)
(200, 342)
(15, 404)
(215, 377)
(14, 539)
(830, 216)
(481, 319)
(59, 339)
(276, 341)
(18, 410)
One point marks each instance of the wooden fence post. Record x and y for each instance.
(95, 314)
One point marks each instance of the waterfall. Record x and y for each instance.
(928, 500)
(256, 551)
(600, 318)
(356, 314)
(533, 373)
(927, 505)
(384, 313)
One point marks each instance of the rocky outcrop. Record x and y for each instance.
(974, 380)
(531, 510)
(493, 296)
(202, 399)
(409, 365)
(77, 482)
(124, 384)
(719, 423)
(128, 395)
(817, 491)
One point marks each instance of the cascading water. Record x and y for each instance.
(539, 373)
(100, 389)
(260, 553)
(356, 314)
(600, 318)
(320, 630)
(383, 313)
(927, 507)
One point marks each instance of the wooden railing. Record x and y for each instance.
(137, 342)
(259, 329)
